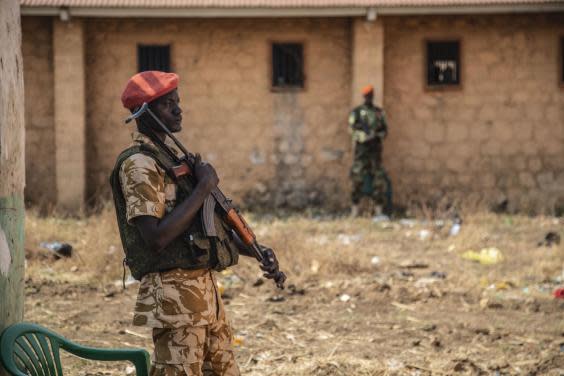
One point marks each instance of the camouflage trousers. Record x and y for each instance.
(375, 184)
(194, 351)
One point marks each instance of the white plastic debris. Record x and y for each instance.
(130, 370)
(345, 298)
(375, 261)
(424, 234)
(348, 239)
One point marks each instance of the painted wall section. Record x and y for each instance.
(12, 178)
(70, 113)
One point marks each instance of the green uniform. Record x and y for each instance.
(367, 124)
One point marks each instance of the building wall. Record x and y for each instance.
(288, 147)
(37, 49)
(501, 134)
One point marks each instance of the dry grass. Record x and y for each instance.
(377, 332)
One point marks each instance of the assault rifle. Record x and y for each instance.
(216, 199)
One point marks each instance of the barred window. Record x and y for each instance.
(153, 57)
(443, 63)
(287, 65)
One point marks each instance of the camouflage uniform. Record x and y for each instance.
(182, 306)
(368, 128)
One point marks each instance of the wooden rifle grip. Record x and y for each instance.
(241, 227)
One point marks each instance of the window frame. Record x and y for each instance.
(461, 66)
(278, 89)
(170, 53)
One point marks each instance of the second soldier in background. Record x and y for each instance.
(368, 127)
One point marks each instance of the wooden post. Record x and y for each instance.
(12, 173)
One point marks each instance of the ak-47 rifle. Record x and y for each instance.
(231, 215)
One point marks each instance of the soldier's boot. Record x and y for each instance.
(354, 211)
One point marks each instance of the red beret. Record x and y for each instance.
(367, 89)
(146, 87)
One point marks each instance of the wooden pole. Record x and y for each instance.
(12, 173)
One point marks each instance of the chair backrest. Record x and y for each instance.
(29, 349)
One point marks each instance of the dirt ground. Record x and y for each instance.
(389, 298)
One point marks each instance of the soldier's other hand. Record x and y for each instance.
(205, 173)
(270, 263)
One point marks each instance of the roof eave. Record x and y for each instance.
(124, 12)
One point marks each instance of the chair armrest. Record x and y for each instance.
(139, 357)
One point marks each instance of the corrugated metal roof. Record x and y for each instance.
(271, 3)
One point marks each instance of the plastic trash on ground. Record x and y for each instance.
(486, 256)
(59, 249)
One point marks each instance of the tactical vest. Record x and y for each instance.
(190, 250)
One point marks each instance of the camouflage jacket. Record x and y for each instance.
(368, 127)
(177, 297)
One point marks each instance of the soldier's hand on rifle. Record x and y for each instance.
(270, 263)
(205, 173)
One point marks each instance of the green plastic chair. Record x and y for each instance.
(30, 349)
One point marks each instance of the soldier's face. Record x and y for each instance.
(368, 98)
(168, 110)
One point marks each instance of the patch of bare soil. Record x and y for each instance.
(394, 298)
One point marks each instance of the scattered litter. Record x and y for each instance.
(487, 303)
(486, 256)
(344, 298)
(456, 226)
(59, 249)
(375, 261)
(439, 275)
(348, 239)
(407, 222)
(74, 268)
(293, 290)
(230, 280)
(314, 266)
(424, 234)
(551, 238)
(501, 285)
(129, 370)
(258, 282)
(380, 218)
(238, 340)
(411, 264)
(276, 299)
(424, 282)
(394, 365)
(559, 293)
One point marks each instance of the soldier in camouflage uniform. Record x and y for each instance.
(182, 306)
(367, 125)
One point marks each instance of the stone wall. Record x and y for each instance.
(501, 134)
(289, 147)
(37, 48)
